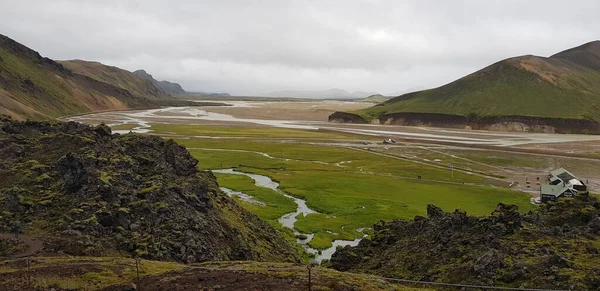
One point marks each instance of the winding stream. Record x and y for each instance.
(289, 219)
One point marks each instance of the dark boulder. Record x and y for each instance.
(434, 212)
(73, 172)
(103, 129)
(489, 263)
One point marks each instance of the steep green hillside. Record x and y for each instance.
(86, 192)
(564, 86)
(555, 247)
(35, 87)
(117, 77)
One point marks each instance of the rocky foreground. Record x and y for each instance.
(555, 247)
(84, 191)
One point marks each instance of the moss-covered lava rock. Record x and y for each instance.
(554, 247)
(88, 192)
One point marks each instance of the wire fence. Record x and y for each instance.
(26, 275)
(463, 286)
(33, 273)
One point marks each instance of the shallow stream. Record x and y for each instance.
(289, 219)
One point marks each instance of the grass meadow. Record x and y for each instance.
(350, 188)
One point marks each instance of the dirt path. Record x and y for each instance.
(35, 244)
(465, 159)
(431, 165)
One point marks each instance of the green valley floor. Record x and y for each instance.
(350, 185)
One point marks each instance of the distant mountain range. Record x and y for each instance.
(560, 93)
(166, 86)
(207, 94)
(328, 94)
(35, 87)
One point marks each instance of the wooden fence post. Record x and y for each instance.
(309, 277)
(28, 275)
(137, 271)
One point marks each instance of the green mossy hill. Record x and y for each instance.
(555, 247)
(523, 89)
(87, 192)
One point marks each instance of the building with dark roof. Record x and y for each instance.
(561, 183)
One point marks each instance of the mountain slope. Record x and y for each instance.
(166, 86)
(86, 192)
(32, 86)
(554, 247)
(560, 93)
(117, 77)
(587, 55)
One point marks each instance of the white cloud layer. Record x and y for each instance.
(254, 47)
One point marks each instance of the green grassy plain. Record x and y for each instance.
(501, 159)
(303, 157)
(489, 163)
(352, 201)
(351, 189)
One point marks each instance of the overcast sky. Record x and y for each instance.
(254, 47)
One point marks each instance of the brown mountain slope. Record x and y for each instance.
(117, 77)
(32, 86)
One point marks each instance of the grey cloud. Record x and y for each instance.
(249, 47)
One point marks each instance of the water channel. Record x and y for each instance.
(289, 219)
